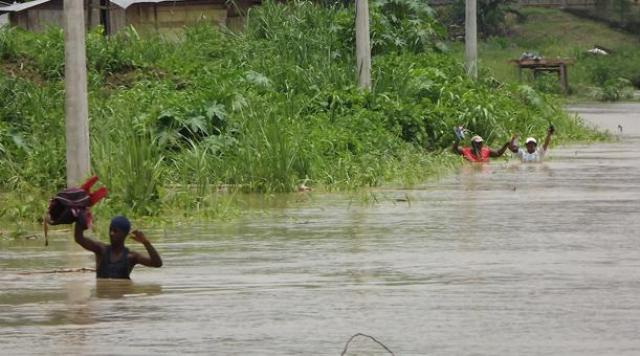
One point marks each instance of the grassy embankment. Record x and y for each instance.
(554, 34)
(174, 123)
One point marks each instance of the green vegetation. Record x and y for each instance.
(556, 34)
(493, 17)
(175, 123)
(622, 14)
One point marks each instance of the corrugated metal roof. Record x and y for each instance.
(16, 7)
(126, 3)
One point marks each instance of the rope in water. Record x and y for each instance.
(61, 270)
(370, 337)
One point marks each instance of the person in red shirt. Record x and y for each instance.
(478, 152)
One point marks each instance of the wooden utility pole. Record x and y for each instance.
(76, 106)
(363, 45)
(471, 39)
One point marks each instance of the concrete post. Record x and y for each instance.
(363, 45)
(471, 39)
(75, 85)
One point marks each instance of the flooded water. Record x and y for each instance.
(504, 260)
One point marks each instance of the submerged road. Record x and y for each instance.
(506, 260)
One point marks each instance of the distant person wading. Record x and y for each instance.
(532, 153)
(477, 152)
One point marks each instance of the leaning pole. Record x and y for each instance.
(76, 106)
(471, 39)
(363, 45)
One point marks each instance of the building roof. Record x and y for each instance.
(126, 3)
(17, 7)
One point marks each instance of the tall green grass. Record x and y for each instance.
(266, 110)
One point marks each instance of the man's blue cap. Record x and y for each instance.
(120, 223)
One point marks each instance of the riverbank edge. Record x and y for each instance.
(225, 203)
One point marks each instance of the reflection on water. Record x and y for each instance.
(506, 259)
(115, 288)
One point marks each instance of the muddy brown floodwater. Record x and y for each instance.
(505, 260)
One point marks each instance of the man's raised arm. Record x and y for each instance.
(87, 243)
(547, 139)
(456, 147)
(153, 260)
(500, 152)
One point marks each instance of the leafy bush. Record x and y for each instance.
(623, 63)
(614, 90)
(404, 25)
(613, 76)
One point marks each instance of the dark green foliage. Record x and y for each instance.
(264, 110)
(492, 15)
(399, 25)
(8, 45)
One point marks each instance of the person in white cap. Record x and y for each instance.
(478, 152)
(532, 153)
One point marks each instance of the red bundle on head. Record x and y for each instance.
(73, 204)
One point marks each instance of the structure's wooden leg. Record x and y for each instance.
(564, 82)
(519, 73)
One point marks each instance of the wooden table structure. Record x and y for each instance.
(545, 65)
